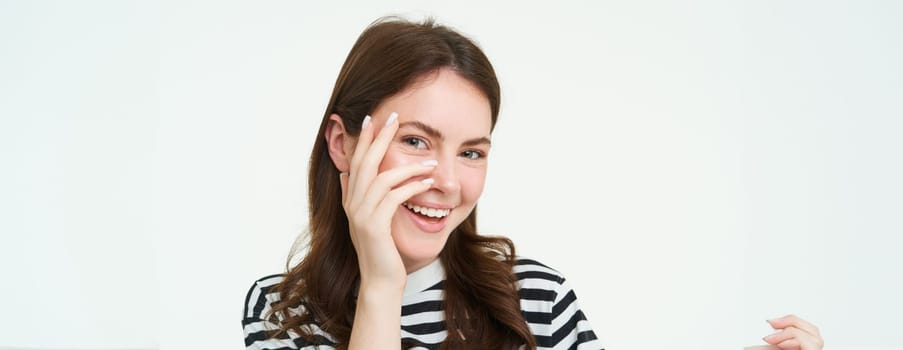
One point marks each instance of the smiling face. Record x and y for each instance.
(442, 117)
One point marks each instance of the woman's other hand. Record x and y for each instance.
(794, 333)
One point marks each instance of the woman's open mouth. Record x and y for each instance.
(428, 219)
(428, 212)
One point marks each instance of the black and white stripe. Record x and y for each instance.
(548, 303)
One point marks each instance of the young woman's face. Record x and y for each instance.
(446, 118)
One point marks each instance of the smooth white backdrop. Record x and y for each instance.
(693, 168)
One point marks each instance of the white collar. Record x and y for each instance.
(424, 278)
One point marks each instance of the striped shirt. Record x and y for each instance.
(548, 304)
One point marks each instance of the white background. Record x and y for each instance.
(693, 168)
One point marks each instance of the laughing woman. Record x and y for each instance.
(394, 258)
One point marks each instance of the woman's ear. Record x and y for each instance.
(339, 143)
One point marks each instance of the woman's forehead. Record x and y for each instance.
(446, 101)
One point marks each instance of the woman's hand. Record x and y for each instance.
(371, 199)
(794, 333)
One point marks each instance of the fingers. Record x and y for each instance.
(811, 343)
(390, 179)
(368, 194)
(793, 320)
(805, 342)
(393, 199)
(368, 155)
(795, 333)
(786, 336)
(789, 344)
(363, 142)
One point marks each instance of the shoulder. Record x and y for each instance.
(538, 281)
(541, 288)
(260, 296)
(526, 268)
(258, 329)
(550, 307)
(264, 332)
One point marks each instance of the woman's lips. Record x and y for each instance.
(425, 223)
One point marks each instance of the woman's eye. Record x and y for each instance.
(414, 142)
(473, 155)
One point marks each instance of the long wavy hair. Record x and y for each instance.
(481, 300)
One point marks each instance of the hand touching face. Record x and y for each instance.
(370, 200)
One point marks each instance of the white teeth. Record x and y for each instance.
(431, 212)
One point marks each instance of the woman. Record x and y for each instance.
(392, 216)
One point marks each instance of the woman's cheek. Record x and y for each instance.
(472, 181)
(395, 157)
(390, 160)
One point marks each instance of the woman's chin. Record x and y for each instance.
(416, 245)
(418, 251)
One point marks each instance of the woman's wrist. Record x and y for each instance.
(381, 290)
(377, 320)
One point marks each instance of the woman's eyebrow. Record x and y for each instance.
(436, 134)
(477, 141)
(428, 130)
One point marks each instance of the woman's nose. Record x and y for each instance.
(446, 176)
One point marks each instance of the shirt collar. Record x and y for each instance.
(424, 278)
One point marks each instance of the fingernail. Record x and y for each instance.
(428, 181)
(392, 118)
(431, 162)
(366, 122)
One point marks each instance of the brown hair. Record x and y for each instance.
(481, 302)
